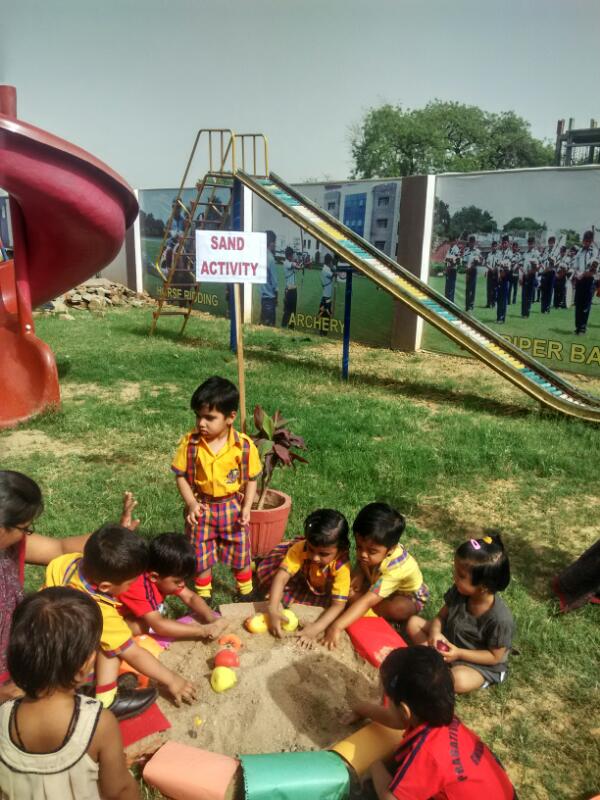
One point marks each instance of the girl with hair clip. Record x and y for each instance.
(314, 570)
(474, 629)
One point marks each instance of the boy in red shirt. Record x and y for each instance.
(439, 758)
(171, 562)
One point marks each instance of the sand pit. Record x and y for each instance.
(286, 698)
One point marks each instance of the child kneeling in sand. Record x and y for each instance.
(438, 756)
(387, 581)
(171, 562)
(314, 570)
(57, 743)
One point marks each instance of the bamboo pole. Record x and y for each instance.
(239, 328)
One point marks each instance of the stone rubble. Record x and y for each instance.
(96, 295)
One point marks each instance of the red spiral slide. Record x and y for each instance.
(69, 214)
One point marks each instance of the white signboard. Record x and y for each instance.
(231, 257)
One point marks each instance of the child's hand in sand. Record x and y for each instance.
(129, 503)
(212, 630)
(307, 637)
(180, 690)
(331, 637)
(275, 620)
(358, 711)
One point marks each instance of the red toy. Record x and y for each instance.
(69, 213)
(227, 658)
(442, 646)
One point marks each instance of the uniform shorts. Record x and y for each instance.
(219, 534)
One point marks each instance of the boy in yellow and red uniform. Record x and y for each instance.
(216, 470)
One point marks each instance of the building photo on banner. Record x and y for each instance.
(520, 251)
(311, 282)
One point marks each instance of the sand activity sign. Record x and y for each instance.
(231, 257)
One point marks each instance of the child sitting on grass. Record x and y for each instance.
(387, 580)
(438, 756)
(113, 557)
(216, 469)
(57, 743)
(474, 628)
(314, 570)
(171, 562)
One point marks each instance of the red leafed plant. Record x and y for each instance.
(274, 442)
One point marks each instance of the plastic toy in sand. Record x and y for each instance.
(227, 658)
(230, 639)
(442, 646)
(222, 679)
(259, 623)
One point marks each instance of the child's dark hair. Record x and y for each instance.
(488, 562)
(419, 677)
(171, 555)
(217, 393)
(53, 633)
(20, 499)
(114, 554)
(326, 528)
(381, 523)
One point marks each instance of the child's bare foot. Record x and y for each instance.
(129, 504)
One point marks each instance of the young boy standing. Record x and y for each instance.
(216, 470)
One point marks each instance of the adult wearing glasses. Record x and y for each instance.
(21, 503)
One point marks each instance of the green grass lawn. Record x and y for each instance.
(449, 443)
(558, 326)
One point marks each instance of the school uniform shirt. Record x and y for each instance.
(516, 262)
(327, 282)
(492, 260)
(449, 762)
(398, 572)
(218, 474)
(66, 571)
(289, 272)
(471, 257)
(453, 254)
(297, 559)
(494, 629)
(582, 260)
(142, 597)
(530, 256)
(268, 290)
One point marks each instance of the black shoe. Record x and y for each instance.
(253, 597)
(131, 702)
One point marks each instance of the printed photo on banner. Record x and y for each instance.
(157, 207)
(520, 251)
(307, 288)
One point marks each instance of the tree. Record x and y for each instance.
(441, 219)
(442, 137)
(524, 224)
(471, 219)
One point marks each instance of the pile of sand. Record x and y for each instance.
(286, 698)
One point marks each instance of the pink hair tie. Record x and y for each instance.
(475, 544)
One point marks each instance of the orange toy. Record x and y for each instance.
(232, 639)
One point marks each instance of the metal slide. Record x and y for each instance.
(487, 345)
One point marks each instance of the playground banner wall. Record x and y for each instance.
(155, 211)
(371, 209)
(536, 286)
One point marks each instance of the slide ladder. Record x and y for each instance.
(484, 343)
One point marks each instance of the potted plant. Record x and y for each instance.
(276, 444)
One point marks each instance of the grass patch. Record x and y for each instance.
(449, 443)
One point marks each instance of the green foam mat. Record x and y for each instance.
(317, 775)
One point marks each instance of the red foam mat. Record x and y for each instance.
(373, 638)
(150, 721)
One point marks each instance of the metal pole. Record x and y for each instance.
(347, 314)
(236, 225)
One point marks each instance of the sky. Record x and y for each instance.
(133, 80)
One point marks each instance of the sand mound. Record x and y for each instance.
(286, 698)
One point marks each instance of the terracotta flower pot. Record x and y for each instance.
(267, 526)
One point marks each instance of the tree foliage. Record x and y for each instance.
(524, 224)
(471, 219)
(443, 137)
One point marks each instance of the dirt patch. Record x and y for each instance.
(286, 698)
(19, 442)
